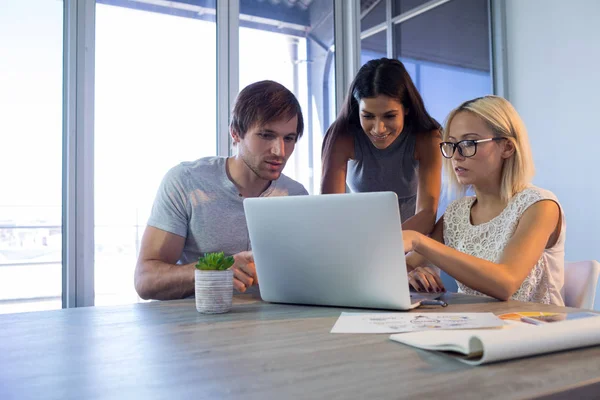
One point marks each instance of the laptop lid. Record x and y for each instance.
(337, 250)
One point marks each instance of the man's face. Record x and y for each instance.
(266, 148)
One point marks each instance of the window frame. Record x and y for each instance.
(78, 107)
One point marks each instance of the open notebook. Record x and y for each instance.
(516, 340)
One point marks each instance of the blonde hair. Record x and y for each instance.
(504, 121)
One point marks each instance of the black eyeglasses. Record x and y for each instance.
(466, 148)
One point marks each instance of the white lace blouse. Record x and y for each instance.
(544, 284)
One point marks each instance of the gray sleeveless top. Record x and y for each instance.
(392, 169)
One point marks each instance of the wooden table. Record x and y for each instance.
(259, 351)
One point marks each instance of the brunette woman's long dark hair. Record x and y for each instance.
(383, 76)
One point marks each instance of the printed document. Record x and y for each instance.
(350, 322)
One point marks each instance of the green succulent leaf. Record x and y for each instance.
(214, 262)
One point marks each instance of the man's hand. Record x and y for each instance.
(426, 279)
(244, 271)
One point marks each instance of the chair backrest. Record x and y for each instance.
(449, 282)
(582, 284)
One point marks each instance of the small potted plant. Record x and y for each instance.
(214, 283)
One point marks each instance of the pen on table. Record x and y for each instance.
(532, 321)
(434, 303)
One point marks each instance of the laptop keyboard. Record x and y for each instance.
(419, 296)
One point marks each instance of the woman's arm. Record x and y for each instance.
(414, 259)
(333, 177)
(538, 227)
(421, 274)
(427, 152)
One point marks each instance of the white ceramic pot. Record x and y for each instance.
(214, 291)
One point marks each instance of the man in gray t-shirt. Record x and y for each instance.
(198, 207)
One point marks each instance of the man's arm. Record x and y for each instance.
(157, 276)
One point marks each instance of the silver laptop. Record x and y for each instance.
(334, 250)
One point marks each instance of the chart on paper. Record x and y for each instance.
(411, 322)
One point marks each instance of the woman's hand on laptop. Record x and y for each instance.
(244, 271)
(426, 279)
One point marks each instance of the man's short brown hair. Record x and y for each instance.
(262, 102)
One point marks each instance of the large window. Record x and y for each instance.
(30, 154)
(293, 45)
(158, 102)
(373, 45)
(155, 107)
(448, 49)
(445, 48)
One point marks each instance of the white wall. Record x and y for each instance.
(553, 67)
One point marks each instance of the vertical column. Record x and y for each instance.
(390, 30)
(498, 61)
(78, 153)
(228, 14)
(347, 45)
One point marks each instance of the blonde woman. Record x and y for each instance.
(507, 241)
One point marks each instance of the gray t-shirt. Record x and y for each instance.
(393, 168)
(196, 200)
